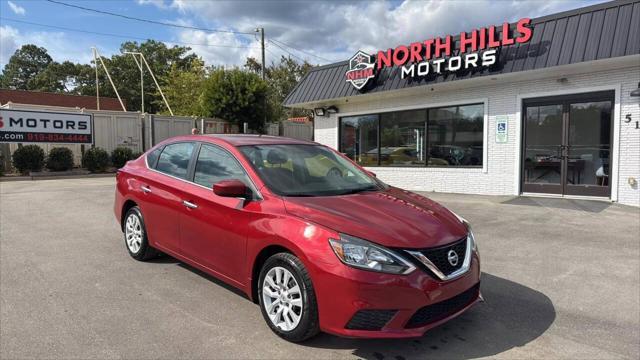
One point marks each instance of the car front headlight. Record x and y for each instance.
(362, 254)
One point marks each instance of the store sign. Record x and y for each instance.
(361, 69)
(45, 127)
(478, 48)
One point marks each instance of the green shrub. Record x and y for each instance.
(28, 158)
(120, 156)
(60, 159)
(1, 164)
(95, 159)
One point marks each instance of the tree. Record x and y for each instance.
(23, 66)
(183, 88)
(281, 79)
(126, 74)
(236, 96)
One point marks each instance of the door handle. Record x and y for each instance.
(190, 205)
(145, 189)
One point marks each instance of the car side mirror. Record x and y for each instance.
(231, 188)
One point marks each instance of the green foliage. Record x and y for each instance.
(182, 89)
(236, 96)
(60, 159)
(126, 74)
(189, 85)
(28, 158)
(95, 159)
(23, 66)
(120, 156)
(281, 79)
(1, 164)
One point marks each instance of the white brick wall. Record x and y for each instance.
(503, 100)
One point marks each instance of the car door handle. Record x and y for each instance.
(145, 189)
(190, 205)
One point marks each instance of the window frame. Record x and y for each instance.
(485, 132)
(192, 169)
(257, 196)
(195, 147)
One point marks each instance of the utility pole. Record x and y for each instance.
(264, 76)
(261, 31)
(95, 61)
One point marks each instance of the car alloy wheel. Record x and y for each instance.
(133, 233)
(282, 298)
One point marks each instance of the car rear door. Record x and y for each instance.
(163, 192)
(214, 229)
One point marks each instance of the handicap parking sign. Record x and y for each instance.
(501, 130)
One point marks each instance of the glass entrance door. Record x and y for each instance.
(567, 145)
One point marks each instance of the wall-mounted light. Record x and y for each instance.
(318, 111)
(636, 92)
(332, 109)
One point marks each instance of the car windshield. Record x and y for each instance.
(307, 170)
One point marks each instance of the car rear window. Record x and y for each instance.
(174, 159)
(152, 157)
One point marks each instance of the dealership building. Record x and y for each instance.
(547, 106)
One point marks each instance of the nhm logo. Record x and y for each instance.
(361, 69)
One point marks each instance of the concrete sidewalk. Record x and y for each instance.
(561, 279)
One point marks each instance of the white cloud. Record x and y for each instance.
(233, 55)
(335, 30)
(18, 10)
(8, 43)
(58, 44)
(159, 3)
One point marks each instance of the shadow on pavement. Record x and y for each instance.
(512, 316)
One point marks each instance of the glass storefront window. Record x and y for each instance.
(402, 138)
(446, 136)
(456, 135)
(359, 139)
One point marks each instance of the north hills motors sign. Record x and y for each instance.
(441, 55)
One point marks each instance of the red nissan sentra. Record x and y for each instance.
(316, 240)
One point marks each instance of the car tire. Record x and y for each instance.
(307, 325)
(135, 236)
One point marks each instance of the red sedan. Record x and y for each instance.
(319, 242)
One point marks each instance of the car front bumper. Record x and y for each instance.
(363, 304)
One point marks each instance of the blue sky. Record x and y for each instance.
(324, 30)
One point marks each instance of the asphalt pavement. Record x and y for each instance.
(561, 279)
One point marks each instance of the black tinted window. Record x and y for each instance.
(174, 159)
(215, 164)
(152, 157)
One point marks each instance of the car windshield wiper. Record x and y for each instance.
(359, 190)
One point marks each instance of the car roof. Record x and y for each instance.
(246, 139)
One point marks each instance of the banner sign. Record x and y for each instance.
(26, 126)
(478, 48)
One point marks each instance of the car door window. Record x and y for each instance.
(214, 165)
(152, 157)
(174, 159)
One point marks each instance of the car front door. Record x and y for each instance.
(162, 194)
(213, 229)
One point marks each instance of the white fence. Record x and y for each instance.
(296, 130)
(114, 129)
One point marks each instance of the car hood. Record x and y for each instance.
(392, 217)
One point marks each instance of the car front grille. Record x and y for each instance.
(439, 257)
(438, 311)
(370, 319)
